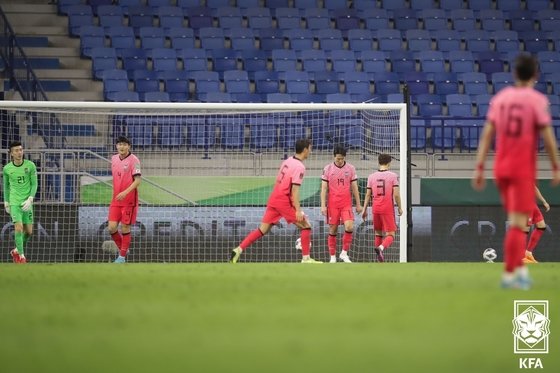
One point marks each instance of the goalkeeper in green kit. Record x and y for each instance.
(20, 186)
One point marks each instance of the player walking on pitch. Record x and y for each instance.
(516, 116)
(284, 202)
(125, 168)
(340, 182)
(20, 187)
(535, 218)
(383, 188)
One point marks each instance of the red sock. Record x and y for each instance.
(346, 240)
(251, 237)
(305, 241)
(126, 237)
(534, 238)
(378, 240)
(387, 241)
(331, 243)
(514, 249)
(117, 238)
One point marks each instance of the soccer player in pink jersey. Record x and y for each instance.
(125, 168)
(535, 218)
(516, 117)
(383, 188)
(340, 182)
(284, 202)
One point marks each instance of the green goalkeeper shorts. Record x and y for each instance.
(20, 216)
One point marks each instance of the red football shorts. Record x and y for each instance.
(337, 216)
(384, 222)
(535, 217)
(518, 195)
(123, 214)
(272, 215)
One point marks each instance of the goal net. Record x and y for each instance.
(207, 171)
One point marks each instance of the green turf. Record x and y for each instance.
(415, 317)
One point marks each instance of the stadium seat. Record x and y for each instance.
(140, 130)
(480, 4)
(232, 132)
(346, 19)
(211, 38)
(102, 59)
(352, 132)
(317, 18)
(462, 19)
(356, 83)
(258, 18)
(215, 4)
(375, 19)
(264, 132)
(284, 59)
(194, 59)
(459, 105)
(470, 130)
(339, 98)
(242, 39)
(418, 135)
(255, 60)
(444, 137)
(171, 131)
(326, 82)
(506, 40)
(181, 37)
(110, 15)
(360, 39)
(417, 82)
(200, 134)
(270, 39)
(91, 37)
(143, 85)
(549, 62)
(492, 19)
(433, 19)
(245, 4)
(393, 5)
(330, 39)
(267, 82)
(206, 81)
(78, 16)
(288, 18)
(164, 59)
(461, 61)
(151, 37)
(478, 41)
(123, 96)
(282, 98)
(548, 19)
(224, 59)
(490, 62)
(313, 60)
(177, 88)
(448, 40)
(298, 82)
(402, 61)
(343, 60)
(534, 41)
(229, 17)
(522, 20)
(170, 17)
(236, 81)
(198, 16)
(156, 97)
(300, 39)
(445, 84)
(134, 61)
(501, 80)
(121, 37)
(482, 103)
(418, 40)
(431, 61)
(389, 39)
(214, 97)
(428, 104)
(386, 83)
(373, 61)
(474, 83)
(140, 16)
(405, 19)
(247, 97)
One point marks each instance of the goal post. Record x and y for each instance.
(207, 171)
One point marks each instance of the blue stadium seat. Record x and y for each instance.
(140, 130)
(270, 39)
(298, 82)
(470, 130)
(326, 82)
(273, 4)
(506, 40)
(258, 18)
(434, 19)
(492, 19)
(158, 3)
(417, 82)
(418, 135)
(126, 4)
(418, 40)
(339, 98)
(194, 59)
(393, 4)
(305, 4)
(232, 132)
(343, 60)
(143, 85)
(389, 39)
(200, 134)
(334, 4)
(300, 39)
(549, 62)
(242, 39)
(313, 60)
(462, 19)
(522, 20)
(211, 38)
(140, 16)
(171, 131)
(445, 84)
(537, 5)
(282, 98)
(373, 61)
(267, 82)
(478, 41)
(206, 81)
(229, 17)
(288, 18)
(214, 96)
(443, 136)
(431, 61)
(346, 19)
(428, 104)
(480, 4)
(330, 39)
(482, 103)
(352, 132)
(402, 61)
(405, 19)
(357, 83)
(102, 59)
(110, 15)
(224, 59)
(534, 41)
(78, 16)
(264, 132)
(170, 17)
(91, 37)
(245, 4)
(156, 97)
(123, 96)
(317, 18)
(461, 61)
(284, 59)
(247, 97)
(236, 81)
(199, 16)
(501, 80)
(422, 4)
(508, 5)
(451, 4)
(215, 4)
(151, 37)
(375, 18)
(121, 37)
(548, 19)
(360, 39)
(459, 105)
(177, 88)
(490, 62)
(181, 37)
(386, 83)
(254, 60)
(474, 83)
(63, 5)
(164, 59)
(447, 40)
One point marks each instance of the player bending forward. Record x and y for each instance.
(20, 187)
(283, 202)
(536, 218)
(340, 182)
(383, 188)
(125, 168)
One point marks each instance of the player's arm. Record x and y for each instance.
(550, 147)
(356, 193)
(295, 202)
(478, 181)
(397, 197)
(366, 202)
(6, 187)
(541, 198)
(131, 187)
(324, 190)
(26, 205)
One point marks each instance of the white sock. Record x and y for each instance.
(344, 253)
(305, 257)
(380, 247)
(522, 272)
(333, 257)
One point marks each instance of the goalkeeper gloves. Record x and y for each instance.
(26, 206)
(7, 206)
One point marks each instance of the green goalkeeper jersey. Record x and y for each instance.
(20, 182)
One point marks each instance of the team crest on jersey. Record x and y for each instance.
(125, 167)
(26, 170)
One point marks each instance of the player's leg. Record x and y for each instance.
(127, 220)
(17, 218)
(348, 218)
(305, 229)
(115, 215)
(271, 217)
(535, 236)
(333, 218)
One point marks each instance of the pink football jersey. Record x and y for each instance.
(339, 180)
(123, 171)
(381, 184)
(518, 114)
(291, 172)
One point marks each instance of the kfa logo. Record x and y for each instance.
(531, 328)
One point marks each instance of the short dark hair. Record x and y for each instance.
(526, 67)
(123, 139)
(302, 144)
(13, 144)
(339, 149)
(384, 159)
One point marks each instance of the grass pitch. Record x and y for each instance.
(415, 317)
